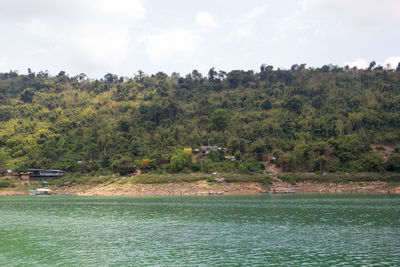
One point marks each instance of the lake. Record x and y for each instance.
(310, 230)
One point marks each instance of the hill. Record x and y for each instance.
(303, 119)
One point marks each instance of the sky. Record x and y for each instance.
(123, 36)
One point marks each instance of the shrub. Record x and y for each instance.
(5, 183)
(123, 165)
(393, 163)
(179, 161)
(372, 162)
(250, 166)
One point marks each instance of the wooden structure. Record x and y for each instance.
(207, 149)
(230, 158)
(281, 191)
(39, 174)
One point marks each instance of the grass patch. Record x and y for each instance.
(6, 183)
(294, 178)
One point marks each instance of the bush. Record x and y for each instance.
(179, 161)
(251, 166)
(215, 156)
(372, 162)
(123, 165)
(393, 163)
(5, 183)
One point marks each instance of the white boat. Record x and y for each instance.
(42, 191)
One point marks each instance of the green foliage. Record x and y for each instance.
(179, 161)
(293, 178)
(220, 119)
(215, 156)
(393, 163)
(317, 119)
(27, 95)
(251, 166)
(123, 165)
(4, 158)
(294, 104)
(5, 183)
(372, 162)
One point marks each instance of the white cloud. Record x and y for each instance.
(244, 28)
(393, 61)
(3, 64)
(359, 63)
(256, 12)
(359, 14)
(90, 33)
(363, 64)
(176, 45)
(205, 19)
(242, 32)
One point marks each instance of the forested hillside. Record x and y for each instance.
(323, 119)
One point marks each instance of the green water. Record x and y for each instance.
(309, 230)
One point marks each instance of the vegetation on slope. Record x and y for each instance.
(315, 119)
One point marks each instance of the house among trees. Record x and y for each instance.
(38, 174)
(207, 149)
(230, 158)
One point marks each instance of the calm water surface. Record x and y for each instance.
(309, 230)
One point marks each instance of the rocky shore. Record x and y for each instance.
(205, 188)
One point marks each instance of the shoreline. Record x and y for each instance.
(203, 188)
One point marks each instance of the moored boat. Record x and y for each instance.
(281, 191)
(40, 191)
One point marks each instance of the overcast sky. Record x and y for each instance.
(124, 36)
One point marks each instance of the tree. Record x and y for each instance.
(393, 163)
(220, 119)
(294, 104)
(234, 78)
(372, 162)
(179, 161)
(61, 73)
(212, 74)
(123, 165)
(82, 77)
(222, 74)
(27, 95)
(371, 66)
(196, 74)
(110, 78)
(4, 157)
(215, 156)
(266, 104)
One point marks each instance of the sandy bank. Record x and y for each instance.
(170, 189)
(205, 188)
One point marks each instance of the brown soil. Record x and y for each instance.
(351, 187)
(387, 150)
(6, 192)
(204, 188)
(175, 189)
(273, 169)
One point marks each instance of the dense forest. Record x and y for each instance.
(327, 119)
